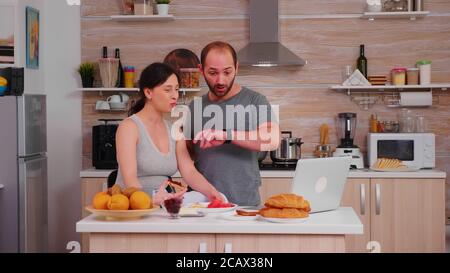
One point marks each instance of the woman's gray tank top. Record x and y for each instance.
(153, 167)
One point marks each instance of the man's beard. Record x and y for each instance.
(220, 94)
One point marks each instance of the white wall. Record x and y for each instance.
(62, 51)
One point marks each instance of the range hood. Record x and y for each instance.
(264, 49)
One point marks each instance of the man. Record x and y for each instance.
(228, 126)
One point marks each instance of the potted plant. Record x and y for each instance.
(86, 71)
(162, 6)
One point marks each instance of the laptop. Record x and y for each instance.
(321, 181)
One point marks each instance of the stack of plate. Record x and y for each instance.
(378, 80)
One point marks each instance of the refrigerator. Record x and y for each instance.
(23, 174)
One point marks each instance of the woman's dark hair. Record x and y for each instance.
(152, 76)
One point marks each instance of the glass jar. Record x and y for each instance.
(190, 77)
(395, 5)
(127, 7)
(412, 76)
(143, 7)
(398, 76)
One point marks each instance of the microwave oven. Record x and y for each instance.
(414, 149)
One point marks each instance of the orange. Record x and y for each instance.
(140, 200)
(129, 191)
(100, 200)
(118, 202)
(116, 189)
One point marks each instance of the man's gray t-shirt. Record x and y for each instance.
(233, 170)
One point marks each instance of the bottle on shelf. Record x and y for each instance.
(361, 63)
(373, 123)
(105, 52)
(120, 73)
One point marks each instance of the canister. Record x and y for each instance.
(129, 74)
(412, 76)
(424, 71)
(398, 76)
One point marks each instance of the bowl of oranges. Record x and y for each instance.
(118, 204)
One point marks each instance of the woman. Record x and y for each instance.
(146, 151)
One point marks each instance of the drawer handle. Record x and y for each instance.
(228, 248)
(377, 199)
(362, 204)
(203, 248)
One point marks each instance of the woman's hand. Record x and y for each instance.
(215, 195)
(162, 194)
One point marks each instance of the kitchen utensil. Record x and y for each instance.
(109, 68)
(323, 151)
(324, 134)
(289, 150)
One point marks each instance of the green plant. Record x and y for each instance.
(162, 1)
(86, 69)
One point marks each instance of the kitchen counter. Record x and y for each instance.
(363, 173)
(341, 221)
(321, 232)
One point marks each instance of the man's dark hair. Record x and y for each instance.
(218, 45)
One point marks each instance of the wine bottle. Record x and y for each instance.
(361, 63)
(120, 76)
(105, 52)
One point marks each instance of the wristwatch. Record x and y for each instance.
(229, 135)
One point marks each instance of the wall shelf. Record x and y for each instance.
(366, 96)
(412, 15)
(391, 88)
(130, 18)
(102, 89)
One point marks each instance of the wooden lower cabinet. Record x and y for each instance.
(408, 215)
(357, 195)
(152, 243)
(214, 243)
(277, 243)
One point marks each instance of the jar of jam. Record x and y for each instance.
(398, 76)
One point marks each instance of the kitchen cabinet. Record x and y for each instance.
(156, 243)
(408, 215)
(275, 243)
(357, 195)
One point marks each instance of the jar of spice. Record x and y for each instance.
(398, 76)
(412, 76)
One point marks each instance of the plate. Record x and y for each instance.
(233, 216)
(121, 214)
(285, 220)
(203, 207)
(402, 169)
(190, 212)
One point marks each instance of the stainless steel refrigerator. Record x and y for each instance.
(23, 174)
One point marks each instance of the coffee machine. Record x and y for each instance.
(346, 124)
(104, 144)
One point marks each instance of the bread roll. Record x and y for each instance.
(287, 200)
